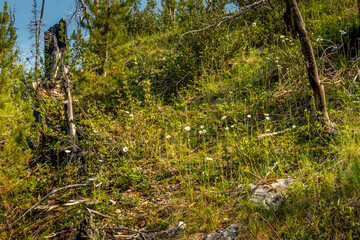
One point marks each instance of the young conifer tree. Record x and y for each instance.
(7, 53)
(107, 27)
(168, 13)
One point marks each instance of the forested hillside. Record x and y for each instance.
(184, 120)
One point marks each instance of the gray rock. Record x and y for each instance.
(229, 233)
(270, 195)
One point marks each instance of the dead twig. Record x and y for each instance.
(274, 133)
(48, 195)
(100, 214)
(272, 168)
(242, 11)
(143, 235)
(277, 235)
(55, 234)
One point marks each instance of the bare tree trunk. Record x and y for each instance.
(68, 109)
(38, 35)
(35, 31)
(307, 50)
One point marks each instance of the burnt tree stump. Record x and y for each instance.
(57, 72)
(55, 46)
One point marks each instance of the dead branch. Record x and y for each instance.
(242, 11)
(143, 235)
(48, 195)
(272, 168)
(96, 212)
(274, 133)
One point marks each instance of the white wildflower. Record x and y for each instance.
(204, 131)
(293, 126)
(248, 116)
(95, 131)
(131, 115)
(227, 128)
(342, 32)
(209, 159)
(266, 114)
(127, 112)
(68, 151)
(187, 128)
(168, 136)
(202, 127)
(253, 24)
(223, 117)
(282, 36)
(201, 132)
(267, 118)
(232, 126)
(125, 149)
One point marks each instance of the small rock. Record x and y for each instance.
(229, 233)
(270, 195)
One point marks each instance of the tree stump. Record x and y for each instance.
(57, 73)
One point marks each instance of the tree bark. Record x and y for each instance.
(307, 50)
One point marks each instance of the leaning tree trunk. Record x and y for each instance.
(307, 50)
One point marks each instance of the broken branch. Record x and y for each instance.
(48, 195)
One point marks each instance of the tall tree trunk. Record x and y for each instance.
(35, 31)
(38, 34)
(307, 50)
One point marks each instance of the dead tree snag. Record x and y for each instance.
(309, 57)
(57, 72)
